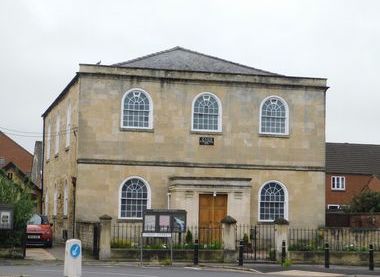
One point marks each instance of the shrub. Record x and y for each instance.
(245, 239)
(122, 243)
(287, 263)
(367, 202)
(189, 237)
(21, 200)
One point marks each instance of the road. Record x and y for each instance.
(103, 271)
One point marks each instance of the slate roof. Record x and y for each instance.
(179, 58)
(349, 158)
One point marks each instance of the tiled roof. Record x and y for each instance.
(179, 58)
(349, 158)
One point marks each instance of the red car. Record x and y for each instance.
(39, 231)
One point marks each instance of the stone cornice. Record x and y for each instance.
(200, 165)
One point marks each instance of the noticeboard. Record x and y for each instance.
(162, 222)
(6, 217)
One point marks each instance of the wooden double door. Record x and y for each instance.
(212, 209)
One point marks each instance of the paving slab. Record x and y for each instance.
(38, 254)
(303, 273)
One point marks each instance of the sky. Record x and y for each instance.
(42, 43)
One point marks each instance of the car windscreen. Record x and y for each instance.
(35, 220)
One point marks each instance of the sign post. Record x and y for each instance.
(162, 223)
(73, 258)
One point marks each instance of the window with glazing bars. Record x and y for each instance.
(273, 117)
(134, 199)
(272, 202)
(136, 110)
(206, 113)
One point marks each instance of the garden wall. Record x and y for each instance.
(336, 258)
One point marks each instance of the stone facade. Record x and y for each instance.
(169, 157)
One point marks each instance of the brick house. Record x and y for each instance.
(185, 130)
(350, 169)
(17, 163)
(11, 151)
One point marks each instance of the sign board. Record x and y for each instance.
(163, 222)
(206, 141)
(73, 258)
(6, 217)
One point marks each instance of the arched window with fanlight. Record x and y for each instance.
(273, 201)
(137, 110)
(206, 113)
(274, 116)
(134, 198)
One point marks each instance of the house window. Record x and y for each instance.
(48, 139)
(274, 116)
(68, 125)
(137, 110)
(46, 203)
(134, 198)
(10, 175)
(55, 203)
(57, 136)
(333, 207)
(272, 201)
(65, 200)
(338, 183)
(206, 113)
(2, 161)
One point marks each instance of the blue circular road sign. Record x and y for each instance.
(75, 250)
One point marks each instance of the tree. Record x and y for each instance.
(21, 200)
(366, 202)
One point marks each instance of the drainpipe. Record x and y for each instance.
(74, 182)
(43, 162)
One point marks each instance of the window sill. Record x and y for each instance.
(127, 220)
(124, 129)
(263, 222)
(67, 148)
(65, 217)
(342, 190)
(274, 135)
(56, 155)
(210, 133)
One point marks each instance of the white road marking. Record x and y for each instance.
(193, 268)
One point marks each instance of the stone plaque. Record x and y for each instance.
(206, 141)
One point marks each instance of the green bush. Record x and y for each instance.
(20, 198)
(365, 202)
(122, 243)
(245, 239)
(189, 237)
(212, 245)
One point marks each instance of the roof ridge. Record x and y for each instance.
(15, 142)
(198, 53)
(148, 56)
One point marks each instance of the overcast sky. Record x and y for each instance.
(42, 43)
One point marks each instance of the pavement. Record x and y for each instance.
(55, 256)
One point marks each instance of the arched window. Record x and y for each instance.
(134, 198)
(206, 113)
(273, 201)
(137, 110)
(274, 116)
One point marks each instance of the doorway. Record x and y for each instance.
(212, 209)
